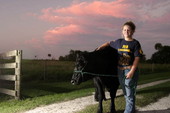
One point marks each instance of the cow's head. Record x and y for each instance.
(80, 65)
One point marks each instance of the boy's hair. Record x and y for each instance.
(131, 24)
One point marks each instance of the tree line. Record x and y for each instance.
(71, 56)
(162, 55)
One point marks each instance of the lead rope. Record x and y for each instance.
(89, 73)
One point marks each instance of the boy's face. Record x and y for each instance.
(127, 31)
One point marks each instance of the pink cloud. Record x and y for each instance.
(100, 18)
(116, 9)
(57, 34)
(141, 9)
(50, 15)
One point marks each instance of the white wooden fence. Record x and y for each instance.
(16, 65)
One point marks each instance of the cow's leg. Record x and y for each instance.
(112, 104)
(113, 95)
(96, 90)
(100, 107)
(104, 96)
(96, 94)
(100, 95)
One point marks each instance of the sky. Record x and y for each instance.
(42, 27)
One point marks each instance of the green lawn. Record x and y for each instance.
(45, 93)
(38, 90)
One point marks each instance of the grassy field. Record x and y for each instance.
(47, 70)
(46, 82)
(53, 70)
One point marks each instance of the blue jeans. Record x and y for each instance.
(129, 89)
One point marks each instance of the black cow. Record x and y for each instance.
(100, 65)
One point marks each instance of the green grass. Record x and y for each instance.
(146, 78)
(12, 106)
(52, 70)
(38, 90)
(34, 97)
(153, 68)
(144, 97)
(44, 88)
(47, 70)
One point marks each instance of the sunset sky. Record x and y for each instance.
(42, 27)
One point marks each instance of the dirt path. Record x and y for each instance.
(161, 106)
(80, 103)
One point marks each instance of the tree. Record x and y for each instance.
(49, 55)
(143, 58)
(162, 55)
(71, 56)
(61, 58)
(35, 56)
(158, 46)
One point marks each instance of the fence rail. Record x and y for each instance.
(8, 65)
(16, 65)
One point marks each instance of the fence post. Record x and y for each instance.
(18, 73)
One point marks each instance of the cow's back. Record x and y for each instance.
(103, 61)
